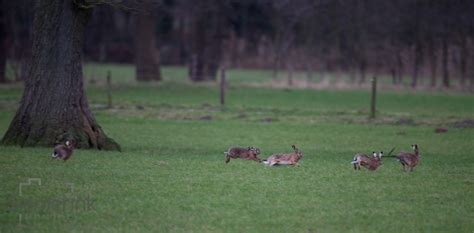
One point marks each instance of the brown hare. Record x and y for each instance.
(249, 153)
(370, 164)
(409, 160)
(285, 159)
(63, 152)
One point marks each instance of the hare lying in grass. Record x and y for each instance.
(249, 153)
(370, 164)
(285, 159)
(63, 152)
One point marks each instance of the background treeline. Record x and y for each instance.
(420, 42)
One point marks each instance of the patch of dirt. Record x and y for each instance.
(468, 123)
(206, 118)
(268, 120)
(441, 130)
(165, 105)
(405, 121)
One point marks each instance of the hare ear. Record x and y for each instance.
(249, 148)
(67, 143)
(381, 154)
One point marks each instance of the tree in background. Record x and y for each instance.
(207, 19)
(420, 39)
(54, 106)
(3, 45)
(18, 21)
(147, 55)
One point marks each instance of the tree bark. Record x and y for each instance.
(147, 59)
(53, 106)
(3, 46)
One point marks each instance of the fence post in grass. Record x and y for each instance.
(109, 89)
(373, 97)
(222, 86)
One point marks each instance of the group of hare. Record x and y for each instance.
(407, 159)
(251, 153)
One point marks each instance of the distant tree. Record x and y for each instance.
(54, 106)
(445, 61)
(3, 46)
(417, 37)
(207, 22)
(18, 21)
(100, 34)
(147, 55)
(199, 43)
(433, 60)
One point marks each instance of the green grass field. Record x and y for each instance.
(171, 175)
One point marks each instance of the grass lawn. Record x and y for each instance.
(171, 175)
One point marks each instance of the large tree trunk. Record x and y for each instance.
(147, 59)
(3, 46)
(54, 106)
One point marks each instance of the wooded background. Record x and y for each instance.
(429, 42)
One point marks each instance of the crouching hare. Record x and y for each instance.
(285, 159)
(370, 164)
(63, 152)
(249, 153)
